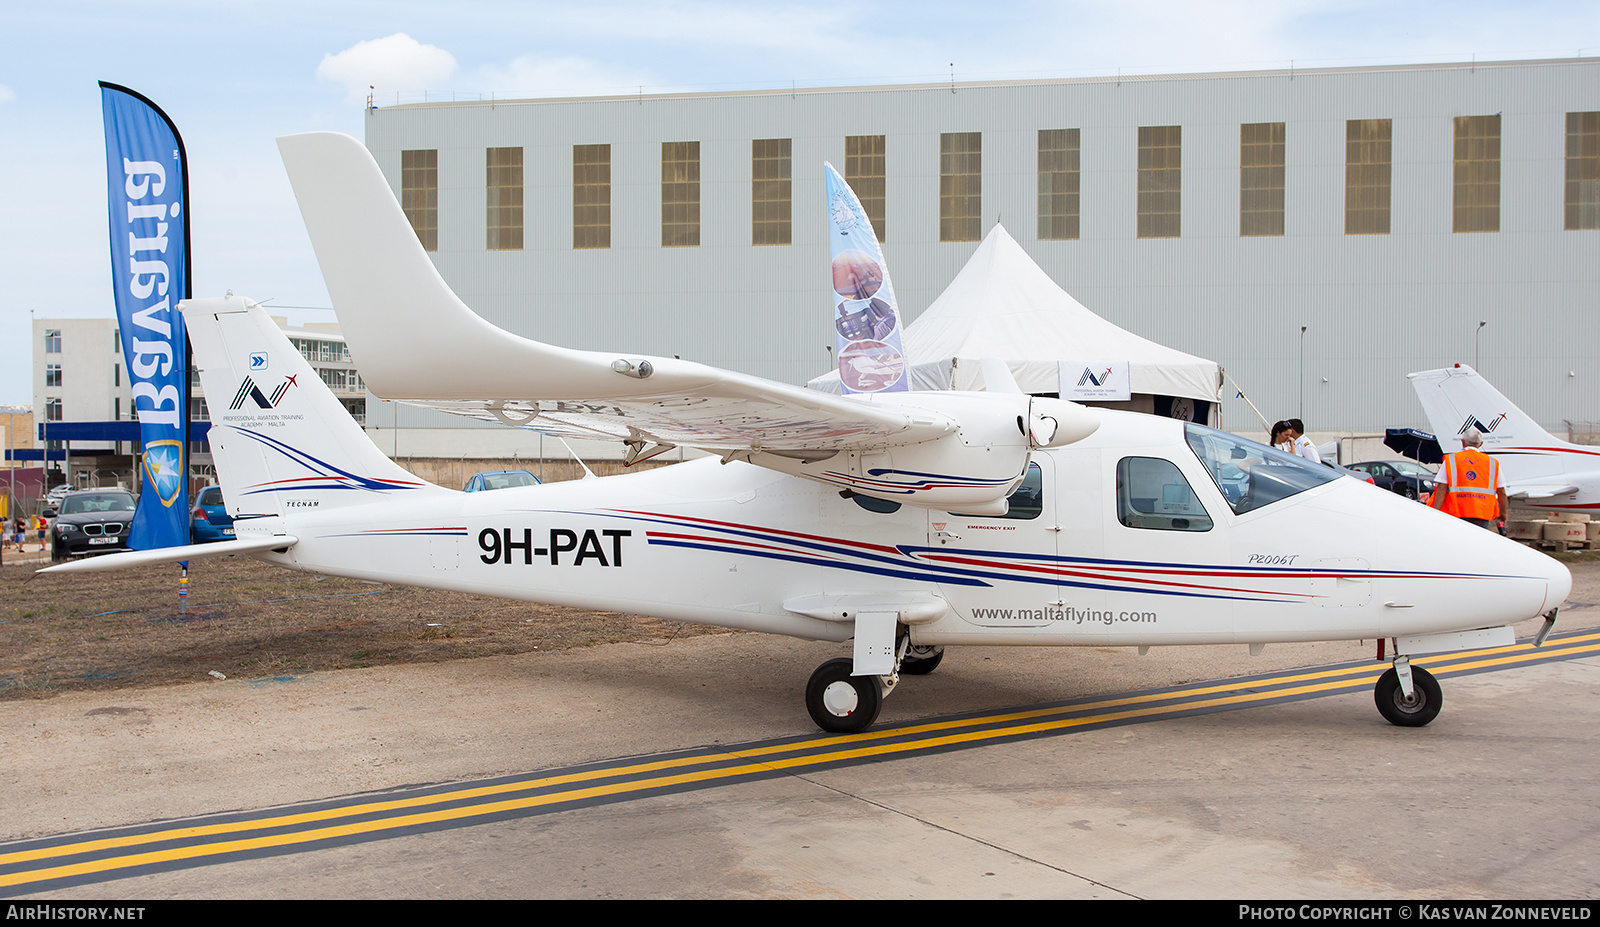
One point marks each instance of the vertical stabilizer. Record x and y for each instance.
(281, 440)
(1458, 398)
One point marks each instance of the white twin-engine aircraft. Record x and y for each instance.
(1541, 471)
(910, 521)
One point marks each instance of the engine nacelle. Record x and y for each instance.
(971, 471)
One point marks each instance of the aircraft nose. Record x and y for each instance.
(1558, 580)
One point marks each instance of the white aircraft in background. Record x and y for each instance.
(1541, 471)
(909, 522)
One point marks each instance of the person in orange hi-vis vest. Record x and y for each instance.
(1469, 485)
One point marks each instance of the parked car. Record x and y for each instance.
(210, 520)
(91, 521)
(500, 479)
(1351, 472)
(1406, 477)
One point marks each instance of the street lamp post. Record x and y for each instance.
(1476, 341)
(1301, 410)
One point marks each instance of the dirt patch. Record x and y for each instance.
(244, 618)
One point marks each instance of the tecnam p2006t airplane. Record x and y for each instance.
(909, 521)
(1541, 471)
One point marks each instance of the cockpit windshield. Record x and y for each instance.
(1252, 475)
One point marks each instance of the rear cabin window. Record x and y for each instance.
(1152, 493)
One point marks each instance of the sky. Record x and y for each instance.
(235, 74)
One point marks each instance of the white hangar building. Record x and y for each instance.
(1320, 233)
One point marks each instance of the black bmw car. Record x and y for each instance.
(91, 521)
(1406, 477)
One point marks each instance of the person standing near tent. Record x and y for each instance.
(1303, 448)
(1469, 484)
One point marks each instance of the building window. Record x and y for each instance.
(1160, 181)
(116, 374)
(198, 410)
(771, 204)
(1583, 171)
(960, 186)
(52, 374)
(680, 194)
(1477, 176)
(52, 409)
(504, 189)
(52, 341)
(591, 196)
(1058, 184)
(1261, 150)
(419, 194)
(116, 409)
(864, 170)
(1368, 150)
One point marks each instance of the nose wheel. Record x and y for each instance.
(1414, 709)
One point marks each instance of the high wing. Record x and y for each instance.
(387, 291)
(416, 342)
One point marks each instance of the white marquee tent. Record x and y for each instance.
(1003, 305)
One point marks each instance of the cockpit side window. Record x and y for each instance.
(1152, 493)
(1252, 475)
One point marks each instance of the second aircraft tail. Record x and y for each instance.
(1457, 399)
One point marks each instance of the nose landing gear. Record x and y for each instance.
(1407, 695)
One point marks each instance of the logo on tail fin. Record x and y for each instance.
(1472, 422)
(248, 390)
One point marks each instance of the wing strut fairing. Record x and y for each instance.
(934, 449)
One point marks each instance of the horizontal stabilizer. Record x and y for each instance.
(174, 554)
(1531, 492)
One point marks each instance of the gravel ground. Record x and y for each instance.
(244, 618)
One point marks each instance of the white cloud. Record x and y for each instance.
(7, 94)
(396, 63)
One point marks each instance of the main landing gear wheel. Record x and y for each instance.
(920, 661)
(841, 703)
(1423, 705)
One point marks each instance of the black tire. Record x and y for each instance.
(1421, 708)
(840, 703)
(920, 661)
(1409, 491)
(56, 553)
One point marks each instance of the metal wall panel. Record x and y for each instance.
(1375, 306)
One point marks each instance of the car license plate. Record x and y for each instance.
(103, 540)
(227, 531)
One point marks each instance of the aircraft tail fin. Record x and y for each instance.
(1458, 398)
(281, 440)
